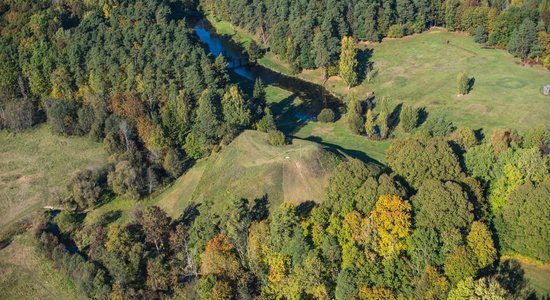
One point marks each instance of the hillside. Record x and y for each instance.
(251, 168)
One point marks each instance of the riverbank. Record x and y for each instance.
(289, 97)
(421, 70)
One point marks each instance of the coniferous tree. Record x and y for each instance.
(523, 40)
(348, 62)
(369, 124)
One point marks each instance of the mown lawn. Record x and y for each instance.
(35, 167)
(421, 70)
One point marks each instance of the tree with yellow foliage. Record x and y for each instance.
(392, 217)
(481, 243)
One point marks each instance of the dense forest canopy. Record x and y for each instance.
(435, 223)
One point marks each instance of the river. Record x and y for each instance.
(314, 97)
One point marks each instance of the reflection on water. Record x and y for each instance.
(217, 47)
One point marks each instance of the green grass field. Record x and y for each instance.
(35, 167)
(421, 70)
(25, 273)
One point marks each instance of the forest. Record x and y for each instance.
(451, 213)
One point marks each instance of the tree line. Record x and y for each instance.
(307, 34)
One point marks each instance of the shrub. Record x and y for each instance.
(62, 116)
(479, 35)
(463, 83)
(326, 116)
(396, 31)
(276, 138)
(438, 127)
(17, 115)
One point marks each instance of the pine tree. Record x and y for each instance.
(408, 118)
(479, 35)
(348, 62)
(523, 40)
(207, 120)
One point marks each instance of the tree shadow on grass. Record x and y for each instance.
(364, 63)
(511, 276)
(289, 117)
(341, 151)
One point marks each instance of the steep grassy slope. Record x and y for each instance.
(251, 168)
(35, 166)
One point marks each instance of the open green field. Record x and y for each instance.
(35, 167)
(421, 70)
(25, 273)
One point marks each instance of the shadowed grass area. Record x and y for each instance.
(333, 136)
(539, 277)
(35, 167)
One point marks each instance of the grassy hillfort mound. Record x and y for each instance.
(251, 168)
(248, 168)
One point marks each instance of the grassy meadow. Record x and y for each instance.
(421, 70)
(35, 167)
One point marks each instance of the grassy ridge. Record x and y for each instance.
(35, 166)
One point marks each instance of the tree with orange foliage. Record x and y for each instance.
(219, 258)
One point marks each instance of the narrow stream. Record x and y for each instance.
(315, 97)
